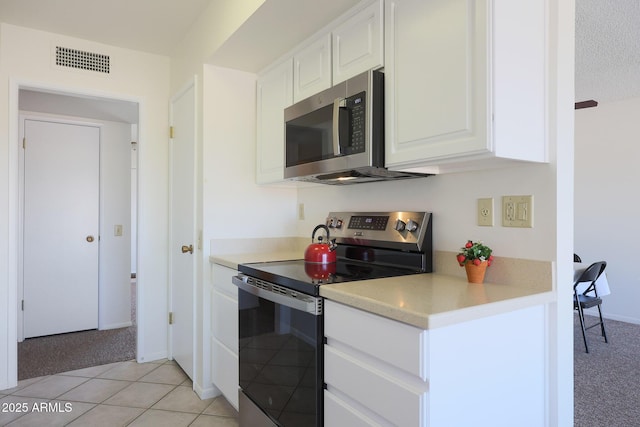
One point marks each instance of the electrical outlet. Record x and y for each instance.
(517, 211)
(485, 212)
(117, 230)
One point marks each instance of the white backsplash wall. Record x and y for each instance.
(452, 198)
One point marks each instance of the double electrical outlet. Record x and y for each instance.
(517, 211)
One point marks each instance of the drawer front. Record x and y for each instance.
(224, 371)
(339, 413)
(401, 403)
(398, 344)
(224, 319)
(221, 278)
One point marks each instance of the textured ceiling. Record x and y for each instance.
(607, 49)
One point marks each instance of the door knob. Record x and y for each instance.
(186, 249)
(89, 239)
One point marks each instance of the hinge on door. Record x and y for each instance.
(171, 318)
(170, 131)
(24, 143)
(22, 305)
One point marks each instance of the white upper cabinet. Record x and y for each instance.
(464, 80)
(349, 46)
(358, 43)
(312, 68)
(274, 94)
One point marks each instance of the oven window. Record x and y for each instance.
(280, 360)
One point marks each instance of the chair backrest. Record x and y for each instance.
(591, 274)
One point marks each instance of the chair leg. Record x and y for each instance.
(604, 334)
(584, 332)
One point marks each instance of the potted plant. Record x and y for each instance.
(475, 257)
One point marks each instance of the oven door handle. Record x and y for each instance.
(300, 302)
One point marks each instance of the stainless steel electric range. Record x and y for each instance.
(281, 324)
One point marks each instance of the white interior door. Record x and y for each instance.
(61, 223)
(182, 240)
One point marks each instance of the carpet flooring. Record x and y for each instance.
(607, 379)
(77, 350)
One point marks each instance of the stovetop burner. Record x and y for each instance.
(307, 277)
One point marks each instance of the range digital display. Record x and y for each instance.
(362, 222)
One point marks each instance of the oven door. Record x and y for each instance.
(280, 354)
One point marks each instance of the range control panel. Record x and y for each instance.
(398, 230)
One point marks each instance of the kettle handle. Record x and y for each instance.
(318, 227)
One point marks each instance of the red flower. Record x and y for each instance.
(477, 262)
(469, 244)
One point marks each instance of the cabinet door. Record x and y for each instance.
(435, 80)
(358, 43)
(274, 94)
(312, 69)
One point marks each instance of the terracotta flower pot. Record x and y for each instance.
(475, 273)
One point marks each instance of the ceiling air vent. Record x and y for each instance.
(74, 58)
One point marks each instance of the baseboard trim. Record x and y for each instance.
(206, 393)
(116, 326)
(152, 357)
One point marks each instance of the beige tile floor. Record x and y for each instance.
(119, 394)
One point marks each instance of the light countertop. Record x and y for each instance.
(430, 300)
(233, 260)
(433, 300)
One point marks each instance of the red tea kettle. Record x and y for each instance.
(320, 253)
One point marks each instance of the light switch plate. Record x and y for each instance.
(485, 212)
(517, 211)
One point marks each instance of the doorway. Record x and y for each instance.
(117, 121)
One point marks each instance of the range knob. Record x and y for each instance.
(412, 225)
(400, 225)
(334, 222)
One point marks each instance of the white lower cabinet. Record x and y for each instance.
(373, 368)
(224, 333)
(381, 372)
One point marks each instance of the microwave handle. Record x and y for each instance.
(337, 104)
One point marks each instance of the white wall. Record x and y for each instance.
(26, 60)
(233, 206)
(607, 204)
(452, 198)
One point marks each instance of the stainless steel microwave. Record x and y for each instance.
(337, 136)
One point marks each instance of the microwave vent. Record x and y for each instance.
(82, 60)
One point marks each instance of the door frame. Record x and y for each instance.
(10, 333)
(190, 85)
(21, 175)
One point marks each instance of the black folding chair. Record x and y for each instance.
(589, 298)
